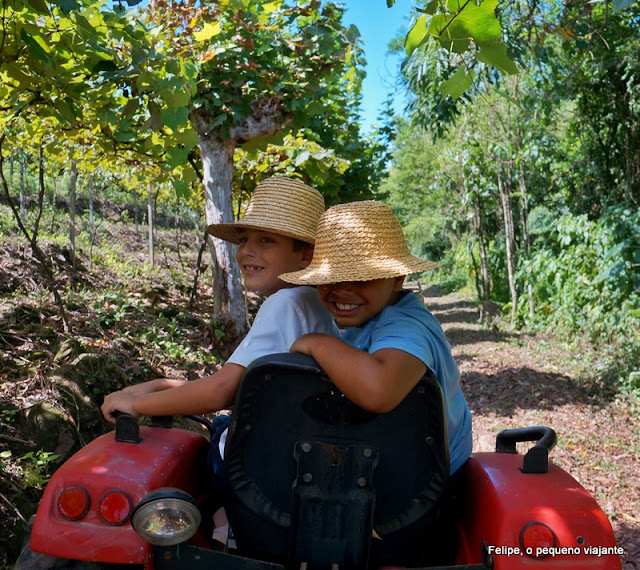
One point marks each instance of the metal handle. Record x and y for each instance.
(536, 459)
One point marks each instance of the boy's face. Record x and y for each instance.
(263, 256)
(353, 303)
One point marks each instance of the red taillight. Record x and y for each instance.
(536, 538)
(115, 507)
(73, 502)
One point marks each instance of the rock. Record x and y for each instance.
(100, 375)
(69, 350)
(75, 396)
(48, 425)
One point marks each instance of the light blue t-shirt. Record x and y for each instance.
(409, 326)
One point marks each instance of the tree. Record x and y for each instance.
(193, 81)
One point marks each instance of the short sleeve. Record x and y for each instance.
(283, 318)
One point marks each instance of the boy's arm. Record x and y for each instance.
(153, 386)
(202, 396)
(376, 382)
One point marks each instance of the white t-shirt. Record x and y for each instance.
(283, 318)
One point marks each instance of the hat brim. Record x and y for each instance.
(369, 270)
(233, 232)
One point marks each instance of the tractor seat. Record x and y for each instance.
(315, 479)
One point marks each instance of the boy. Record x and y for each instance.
(359, 264)
(274, 236)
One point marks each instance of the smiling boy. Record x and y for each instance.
(275, 235)
(359, 265)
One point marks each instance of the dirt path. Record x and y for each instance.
(512, 380)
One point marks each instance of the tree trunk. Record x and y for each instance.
(526, 239)
(217, 162)
(92, 221)
(504, 186)
(150, 220)
(22, 192)
(478, 226)
(216, 150)
(136, 211)
(72, 213)
(33, 239)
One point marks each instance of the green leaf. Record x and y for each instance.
(68, 5)
(495, 54)
(457, 84)
(622, 4)
(269, 7)
(260, 143)
(104, 65)
(39, 6)
(431, 7)
(175, 117)
(416, 36)
(181, 189)
(34, 46)
(14, 72)
(85, 26)
(302, 157)
(208, 31)
(450, 32)
(177, 156)
(390, 3)
(479, 22)
(188, 137)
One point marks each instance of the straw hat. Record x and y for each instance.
(280, 205)
(359, 241)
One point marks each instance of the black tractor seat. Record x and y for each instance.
(317, 481)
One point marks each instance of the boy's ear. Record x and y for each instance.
(399, 281)
(307, 256)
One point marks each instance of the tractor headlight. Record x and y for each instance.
(166, 517)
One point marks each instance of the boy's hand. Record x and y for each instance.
(119, 402)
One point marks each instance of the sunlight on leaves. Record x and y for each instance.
(208, 31)
(457, 84)
(416, 36)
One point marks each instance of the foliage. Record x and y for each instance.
(33, 468)
(585, 277)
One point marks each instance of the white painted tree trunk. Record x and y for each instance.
(217, 162)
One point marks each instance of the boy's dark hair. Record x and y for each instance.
(299, 245)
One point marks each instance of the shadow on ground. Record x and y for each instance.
(512, 389)
(460, 336)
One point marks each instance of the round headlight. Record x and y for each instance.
(166, 517)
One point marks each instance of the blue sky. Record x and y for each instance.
(378, 25)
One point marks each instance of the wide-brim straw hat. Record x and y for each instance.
(359, 241)
(280, 205)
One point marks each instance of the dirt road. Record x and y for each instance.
(513, 380)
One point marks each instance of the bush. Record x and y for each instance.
(585, 280)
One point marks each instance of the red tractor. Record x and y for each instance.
(314, 482)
